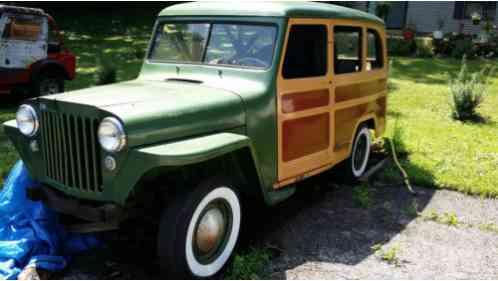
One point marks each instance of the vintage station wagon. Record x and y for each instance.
(232, 102)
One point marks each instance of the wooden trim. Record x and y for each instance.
(305, 100)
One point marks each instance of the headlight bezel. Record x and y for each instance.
(120, 138)
(34, 116)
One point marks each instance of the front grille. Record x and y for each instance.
(70, 150)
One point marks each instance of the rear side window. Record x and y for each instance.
(375, 58)
(306, 54)
(23, 27)
(347, 49)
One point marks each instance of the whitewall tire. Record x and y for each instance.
(360, 153)
(199, 232)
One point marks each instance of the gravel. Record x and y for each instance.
(331, 238)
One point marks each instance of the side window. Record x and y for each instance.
(21, 27)
(306, 54)
(347, 49)
(375, 58)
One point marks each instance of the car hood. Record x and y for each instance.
(155, 111)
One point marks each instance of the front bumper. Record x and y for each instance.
(95, 217)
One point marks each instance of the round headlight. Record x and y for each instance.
(27, 120)
(111, 134)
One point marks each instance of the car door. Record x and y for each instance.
(23, 40)
(303, 100)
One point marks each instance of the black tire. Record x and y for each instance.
(49, 83)
(179, 250)
(357, 163)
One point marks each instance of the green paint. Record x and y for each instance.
(180, 114)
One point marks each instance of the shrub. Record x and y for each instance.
(425, 49)
(106, 73)
(468, 92)
(249, 266)
(460, 46)
(399, 47)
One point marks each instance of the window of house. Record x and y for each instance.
(347, 49)
(306, 54)
(25, 28)
(464, 10)
(375, 58)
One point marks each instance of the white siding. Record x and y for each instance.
(424, 16)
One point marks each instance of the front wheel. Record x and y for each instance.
(199, 231)
(48, 84)
(360, 154)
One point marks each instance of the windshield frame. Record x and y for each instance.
(211, 22)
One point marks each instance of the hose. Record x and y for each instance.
(406, 180)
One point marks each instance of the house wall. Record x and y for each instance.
(425, 14)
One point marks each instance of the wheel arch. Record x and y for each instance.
(370, 121)
(48, 65)
(235, 159)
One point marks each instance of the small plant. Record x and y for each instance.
(449, 219)
(106, 73)
(468, 92)
(361, 196)
(249, 266)
(476, 18)
(391, 255)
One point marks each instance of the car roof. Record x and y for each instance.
(269, 9)
(21, 10)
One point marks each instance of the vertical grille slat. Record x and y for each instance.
(70, 150)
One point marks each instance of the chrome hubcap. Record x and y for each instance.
(211, 230)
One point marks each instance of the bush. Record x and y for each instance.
(462, 47)
(399, 47)
(106, 73)
(468, 92)
(425, 49)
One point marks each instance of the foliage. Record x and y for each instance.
(390, 255)
(448, 218)
(362, 196)
(106, 73)
(249, 266)
(399, 47)
(425, 49)
(382, 9)
(462, 47)
(468, 92)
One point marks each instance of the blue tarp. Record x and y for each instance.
(29, 232)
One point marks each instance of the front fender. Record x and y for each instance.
(177, 153)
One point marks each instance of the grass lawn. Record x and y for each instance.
(443, 152)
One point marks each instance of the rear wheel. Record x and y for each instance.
(357, 163)
(48, 84)
(199, 231)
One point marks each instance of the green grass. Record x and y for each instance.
(120, 40)
(249, 265)
(442, 152)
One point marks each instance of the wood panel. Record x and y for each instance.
(305, 100)
(359, 90)
(304, 136)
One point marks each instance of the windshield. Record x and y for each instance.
(243, 45)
